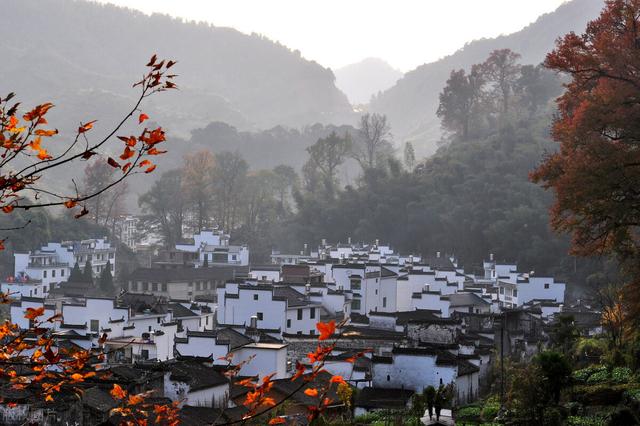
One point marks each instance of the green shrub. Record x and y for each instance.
(469, 412)
(600, 376)
(584, 421)
(490, 409)
(584, 374)
(634, 394)
(621, 375)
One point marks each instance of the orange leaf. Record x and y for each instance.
(126, 167)
(70, 204)
(312, 392)
(150, 168)
(8, 208)
(337, 379)
(77, 377)
(46, 133)
(43, 154)
(49, 398)
(142, 117)
(326, 329)
(117, 392)
(33, 313)
(127, 153)
(85, 127)
(155, 151)
(277, 421)
(135, 399)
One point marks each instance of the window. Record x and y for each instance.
(145, 286)
(95, 326)
(190, 284)
(255, 297)
(144, 353)
(384, 302)
(62, 272)
(376, 291)
(546, 285)
(234, 257)
(35, 291)
(312, 313)
(158, 320)
(134, 286)
(501, 290)
(53, 273)
(164, 287)
(355, 285)
(197, 286)
(44, 274)
(389, 378)
(355, 304)
(260, 316)
(154, 286)
(288, 323)
(515, 292)
(299, 314)
(312, 332)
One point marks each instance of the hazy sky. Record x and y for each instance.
(405, 33)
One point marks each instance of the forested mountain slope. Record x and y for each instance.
(84, 57)
(363, 79)
(412, 103)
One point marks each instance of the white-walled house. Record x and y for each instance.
(274, 307)
(95, 313)
(19, 308)
(524, 289)
(213, 248)
(195, 384)
(24, 286)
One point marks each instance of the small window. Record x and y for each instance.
(53, 273)
(299, 314)
(546, 285)
(389, 379)
(44, 274)
(154, 286)
(95, 326)
(288, 323)
(255, 297)
(312, 313)
(312, 332)
(134, 286)
(259, 315)
(158, 320)
(62, 272)
(164, 286)
(384, 302)
(145, 286)
(355, 304)
(515, 293)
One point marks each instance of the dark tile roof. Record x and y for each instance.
(197, 375)
(180, 311)
(467, 299)
(187, 274)
(232, 337)
(99, 399)
(383, 398)
(293, 297)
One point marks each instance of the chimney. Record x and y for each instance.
(305, 248)
(411, 259)
(349, 240)
(438, 254)
(307, 290)
(253, 323)
(491, 257)
(377, 242)
(324, 242)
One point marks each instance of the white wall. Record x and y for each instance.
(268, 359)
(414, 372)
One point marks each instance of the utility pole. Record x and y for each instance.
(502, 362)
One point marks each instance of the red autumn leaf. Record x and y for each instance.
(70, 204)
(46, 133)
(33, 313)
(127, 153)
(326, 329)
(170, 64)
(117, 392)
(155, 151)
(337, 379)
(87, 154)
(277, 421)
(113, 163)
(312, 392)
(126, 167)
(150, 168)
(86, 126)
(142, 117)
(8, 208)
(152, 61)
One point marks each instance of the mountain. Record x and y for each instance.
(84, 56)
(366, 78)
(412, 102)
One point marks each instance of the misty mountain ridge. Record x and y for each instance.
(85, 56)
(412, 102)
(361, 80)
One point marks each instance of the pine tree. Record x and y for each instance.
(106, 280)
(87, 274)
(76, 274)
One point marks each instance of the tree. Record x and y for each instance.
(196, 180)
(28, 166)
(97, 174)
(409, 156)
(87, 272)
(372, 144)
(556, 374)
(285, 179)
(460, 99)
(502, 71)
(76, 274)
(564, 334)
(595, 175)
(106, 280)
(229, 179)
(28, 181)
(164, 206)
(325, 156)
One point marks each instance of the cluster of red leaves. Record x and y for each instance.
(135, 411)
(24, 136)
(259, 401)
